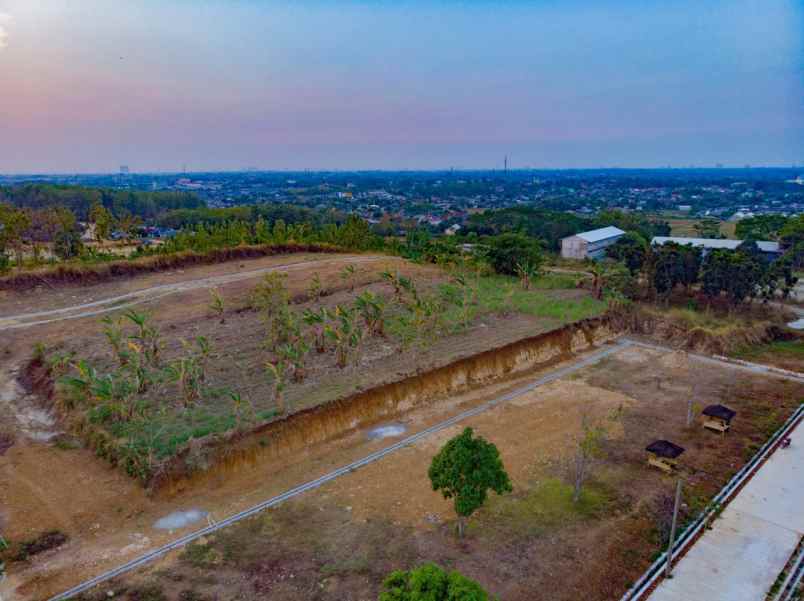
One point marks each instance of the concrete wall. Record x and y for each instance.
(573, 248)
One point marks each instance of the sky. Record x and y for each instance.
(89, 85)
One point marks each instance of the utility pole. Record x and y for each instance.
(669, 565)
(505, 163)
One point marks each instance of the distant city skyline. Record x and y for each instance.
(90, 86)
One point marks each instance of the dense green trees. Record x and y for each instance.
(631, 250)
(13, 225)
(671, 265)
(429, 582)
(636, 222)
(743, 274)
(80, 200)
(512, 253)
(708, 227)
(736, 274)
(465, 470)
(761, 227)
(546, 225)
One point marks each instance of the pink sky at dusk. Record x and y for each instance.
(88, 85)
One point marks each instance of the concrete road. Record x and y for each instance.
(749, 545)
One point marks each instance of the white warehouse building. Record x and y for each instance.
(590, 245)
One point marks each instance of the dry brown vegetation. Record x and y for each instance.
(339, 542)
(712, 332)
(241, 397)
(78, 274)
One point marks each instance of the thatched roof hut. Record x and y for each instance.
(663, 454)
(718, 417)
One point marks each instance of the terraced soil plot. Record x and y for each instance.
(340, 540)
(60, 455)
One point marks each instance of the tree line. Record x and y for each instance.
(736, 276)
(551, 226)
(80, 200)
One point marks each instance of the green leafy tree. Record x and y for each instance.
(13, 225)
(612, 280)
(761, 227)
(355, 234)
(708, 227)
(103, 220)
(465, 470)
(671, 265)
(507, 250)
(634, 221)
(631, 250)
(737, 274)
(429, 582)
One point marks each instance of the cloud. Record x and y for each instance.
(5, 19)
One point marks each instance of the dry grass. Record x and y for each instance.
(339, 542)
(84, 274)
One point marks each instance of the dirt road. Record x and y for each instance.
(113, 303)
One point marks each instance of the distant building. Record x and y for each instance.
(590, 245)
(685, 208)
(770, 250)
(741, 214)
(452, 230)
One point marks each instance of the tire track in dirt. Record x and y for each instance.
(115, 303)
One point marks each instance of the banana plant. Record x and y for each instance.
(293, 354)
(317, 321)
(147, 337)
(275, 371)
(372, 309)
(189, 371)
(348, 274)
(114, 335)
(527, 272)
(345, 335)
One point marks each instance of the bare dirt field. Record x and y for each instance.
(53, 484)
(21, 307)
(339, 541)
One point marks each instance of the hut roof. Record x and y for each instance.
(720, 412)
(665, 448)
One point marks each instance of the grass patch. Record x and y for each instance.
(503, 294)
(549, 504)
(784, 349)
(201, 555)
(354, 565)
(709, 320)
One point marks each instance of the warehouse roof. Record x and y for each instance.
(601, 234)
(716, 243)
